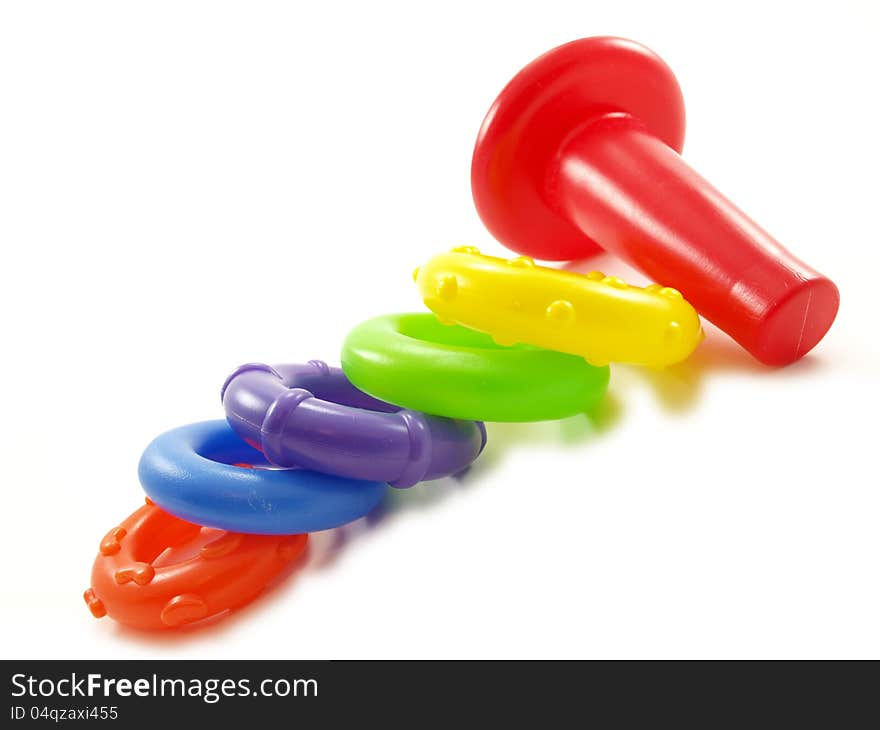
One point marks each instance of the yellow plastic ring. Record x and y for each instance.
(601, 318)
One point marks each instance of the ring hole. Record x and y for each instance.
(175, 554)
(426, 328)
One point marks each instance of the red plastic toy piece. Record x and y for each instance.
(227, 572)
(581, 147)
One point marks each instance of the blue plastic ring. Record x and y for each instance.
(189, 472)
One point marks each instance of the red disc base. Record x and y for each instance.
(554, 96)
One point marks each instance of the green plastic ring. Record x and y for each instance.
(414, 361)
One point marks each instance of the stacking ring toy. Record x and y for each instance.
(599, 317)
(416, 362)
(311, 416)
(189, 473)
(227, 572)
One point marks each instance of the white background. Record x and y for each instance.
(188, 186)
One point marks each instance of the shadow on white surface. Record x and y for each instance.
(678, 387)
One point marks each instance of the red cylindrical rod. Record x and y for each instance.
(636, 196)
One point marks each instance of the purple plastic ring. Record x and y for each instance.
(311, 416)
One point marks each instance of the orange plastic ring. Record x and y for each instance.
(226, 573)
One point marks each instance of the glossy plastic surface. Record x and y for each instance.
(601, 318)
(558, 93)
(311, 416)
(582, 147)
(130, 585)
(416, 362)
(189, 472)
